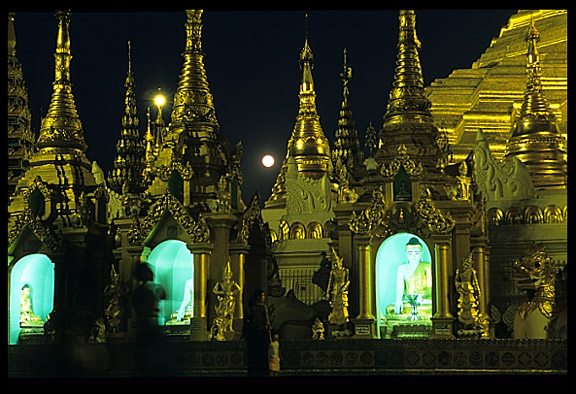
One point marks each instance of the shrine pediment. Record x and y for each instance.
(142, 229)
(382, 219)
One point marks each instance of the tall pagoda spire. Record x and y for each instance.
(193, 152)
(308, 145)
(346, 150)
(61, 127)
(408, 120)
(20, 132)
(128, 172)
(59, 160)
(193, 101)
(535, 138)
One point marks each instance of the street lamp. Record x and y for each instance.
(159, 100)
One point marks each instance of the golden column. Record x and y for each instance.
(364, 323)
(443, 319)
(238, 253)
(198, 323)
(480, 259)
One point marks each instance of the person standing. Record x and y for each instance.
(274, 354)
(257, 334)
(150, 349)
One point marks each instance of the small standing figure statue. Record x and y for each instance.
(225, 291)
(318, 330)
(337, 291)
(113, 311)
(468, 289)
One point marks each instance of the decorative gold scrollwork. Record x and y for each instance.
(402, 159)
(433, 217)
(197, 230)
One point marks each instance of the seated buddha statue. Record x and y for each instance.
(413, 297)
(186, 310)
(27, 316)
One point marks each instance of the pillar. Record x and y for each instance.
(364, 323)
(238, 253)
(443, 320)
(199, 322)
(480, 260)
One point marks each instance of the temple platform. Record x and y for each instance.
(363, 357)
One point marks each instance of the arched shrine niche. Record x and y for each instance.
(403, 282)
(173, 267)
(31, 294)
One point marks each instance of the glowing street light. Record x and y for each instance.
(159, 100)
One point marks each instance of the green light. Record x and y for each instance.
(390, 255)
(37, 271)
(173, 265)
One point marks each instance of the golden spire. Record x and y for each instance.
(193, 101)
(535, 114)
(407, 96)
(346, 150)
(11, 35)
(408, 120)
(20, 132)
(308, 145)
(61, 127)
(128, 172)
(535, 138)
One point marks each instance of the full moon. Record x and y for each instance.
(268, 161)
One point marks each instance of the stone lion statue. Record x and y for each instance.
(535, 274)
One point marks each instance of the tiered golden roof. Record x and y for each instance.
(535, 138)
(488, 94)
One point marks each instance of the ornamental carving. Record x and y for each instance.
(382, 220)
(373, 220)
(433, 217)
(253, 216)
(185, 170)
(43, 232)
(402, 159)
(198, 230)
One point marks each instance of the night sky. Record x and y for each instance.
(252, 66)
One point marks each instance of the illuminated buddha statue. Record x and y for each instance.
(186, 310)
(27, 316)
(413, 285)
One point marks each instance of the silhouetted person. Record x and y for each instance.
(257, 334)
(150, 347)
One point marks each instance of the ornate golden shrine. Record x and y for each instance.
(163, 188)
